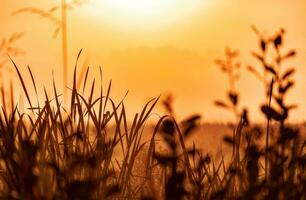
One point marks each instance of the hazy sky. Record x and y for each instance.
(167, 46)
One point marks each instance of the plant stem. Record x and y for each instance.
(64, 48)
(268, 129)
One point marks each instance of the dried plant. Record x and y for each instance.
(231, 67)
(60, 24)
(8, 48)
(57, 152)
(281, 77)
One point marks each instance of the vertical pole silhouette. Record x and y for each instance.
(60, 23)
(64, 48)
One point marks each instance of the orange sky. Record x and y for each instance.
(172, 50)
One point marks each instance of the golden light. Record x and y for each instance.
(140, 8)
(149, 13)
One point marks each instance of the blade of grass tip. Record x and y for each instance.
(22, 82)
(74, 82)
(34, 84)
(150, 109)
(85, 80)
(65, 111)
(125, 124)
(79, 108)
(107, 96)
(133, 129)
(49, 112)
(58, 106)
(94, 102)
(12, 96)
(47, 102)
(92, 113)
(81, 75)
(91, 92)
(75, 67)
(115, 109)
(20, 126)
(123, 116)
(117, 119)
(12, 116)
(38, 121)
(143, 111)
(101, 95)
(88, 110)
(26, 130)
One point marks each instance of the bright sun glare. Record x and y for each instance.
(145, 12)
(140, 8)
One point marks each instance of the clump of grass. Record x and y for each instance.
(55, 152)
(60, 152)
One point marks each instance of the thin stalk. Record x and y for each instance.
(64, 48)
(268, 135)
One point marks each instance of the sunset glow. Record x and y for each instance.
(145, 46)
(144, 13)
(152, 99)
(139, 8)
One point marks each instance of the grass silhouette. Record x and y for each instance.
(71, 152)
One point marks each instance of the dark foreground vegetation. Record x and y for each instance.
(59, 152)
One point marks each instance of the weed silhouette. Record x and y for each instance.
(90, 150)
